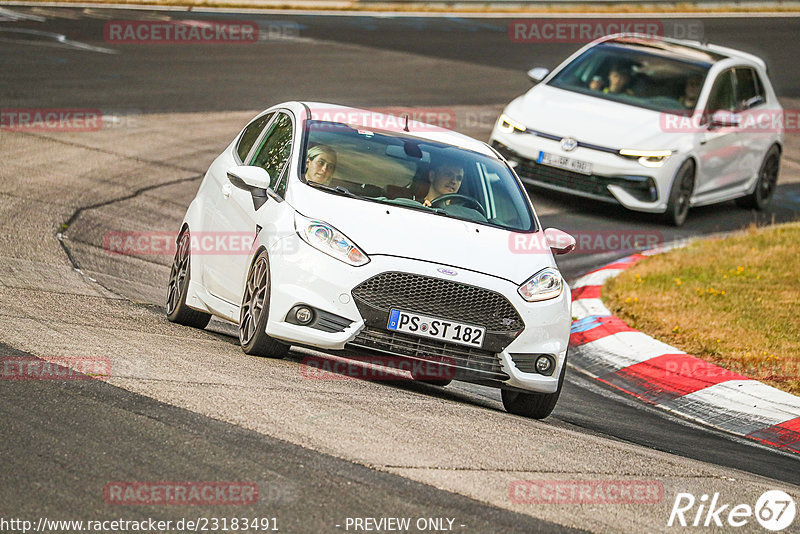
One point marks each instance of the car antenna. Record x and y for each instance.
(405, 128)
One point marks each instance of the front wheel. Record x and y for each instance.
(533, 405)
(680, 195)
(176, 308)
(255, 311)
(765, 185)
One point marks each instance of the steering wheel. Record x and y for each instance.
(455, 196)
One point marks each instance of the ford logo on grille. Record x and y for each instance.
(568, 144)
(448, 272)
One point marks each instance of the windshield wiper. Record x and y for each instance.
(339, 190)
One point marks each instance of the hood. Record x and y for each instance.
(590, 119)
(383, 229)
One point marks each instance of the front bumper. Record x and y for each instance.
(614, 179)
(314, 279)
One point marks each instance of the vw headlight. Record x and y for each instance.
(544, 285)
(508, 125)
(647, 158)
(325, 238)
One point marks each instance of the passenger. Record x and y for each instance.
(445, 178)
(691, 91)
(320, 164)
(618, 79)
(597, 83)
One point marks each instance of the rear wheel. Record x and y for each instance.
(255, 311)
(680, 194)
(176, 308)
(533, 405)
(765, 185)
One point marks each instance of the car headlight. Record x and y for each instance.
(508, 125)
(325, 238)
(647, 158)
(544, 285)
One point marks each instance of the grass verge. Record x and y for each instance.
(732, 301)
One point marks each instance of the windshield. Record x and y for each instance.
(633, 74)
(414, 173)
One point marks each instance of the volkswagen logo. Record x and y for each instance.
(568, 144)
(448, 272)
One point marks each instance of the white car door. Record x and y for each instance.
(720, 150)
(205, 251)
(236, 214)
(751, 106)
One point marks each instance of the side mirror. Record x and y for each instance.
(538, 74)
(558, 241)
(254, 180)
(249, 177)
(724, 119)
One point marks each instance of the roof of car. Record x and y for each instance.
(686, 50)
(397, 119)
(694, 51)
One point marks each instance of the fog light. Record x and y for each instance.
(304, 315)
(544, 365)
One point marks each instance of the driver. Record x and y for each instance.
(445, 178)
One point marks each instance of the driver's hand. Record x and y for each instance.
(427, 202)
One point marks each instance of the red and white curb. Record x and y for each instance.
(603, 346)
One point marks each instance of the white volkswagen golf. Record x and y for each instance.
(656, 125)
(375, 233)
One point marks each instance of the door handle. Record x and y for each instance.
(226, 190)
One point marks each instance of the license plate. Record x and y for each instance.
(436, 328)
(562, 162)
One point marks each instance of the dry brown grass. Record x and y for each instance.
(732, 301)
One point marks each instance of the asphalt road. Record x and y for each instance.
(370, 62)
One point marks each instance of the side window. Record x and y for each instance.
(275, 149)
(749, 90)
(721, 96)
(250, 135)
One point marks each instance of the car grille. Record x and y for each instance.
(469, 359)
(440, 298)
(529, 169)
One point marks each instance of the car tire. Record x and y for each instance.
(178, 286)
(254, 312)
(680, 195)
(765, 185)
(533, 405)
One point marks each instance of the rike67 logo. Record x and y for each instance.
(774, 510)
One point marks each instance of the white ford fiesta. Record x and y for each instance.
(657, 125)
(380, 234)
